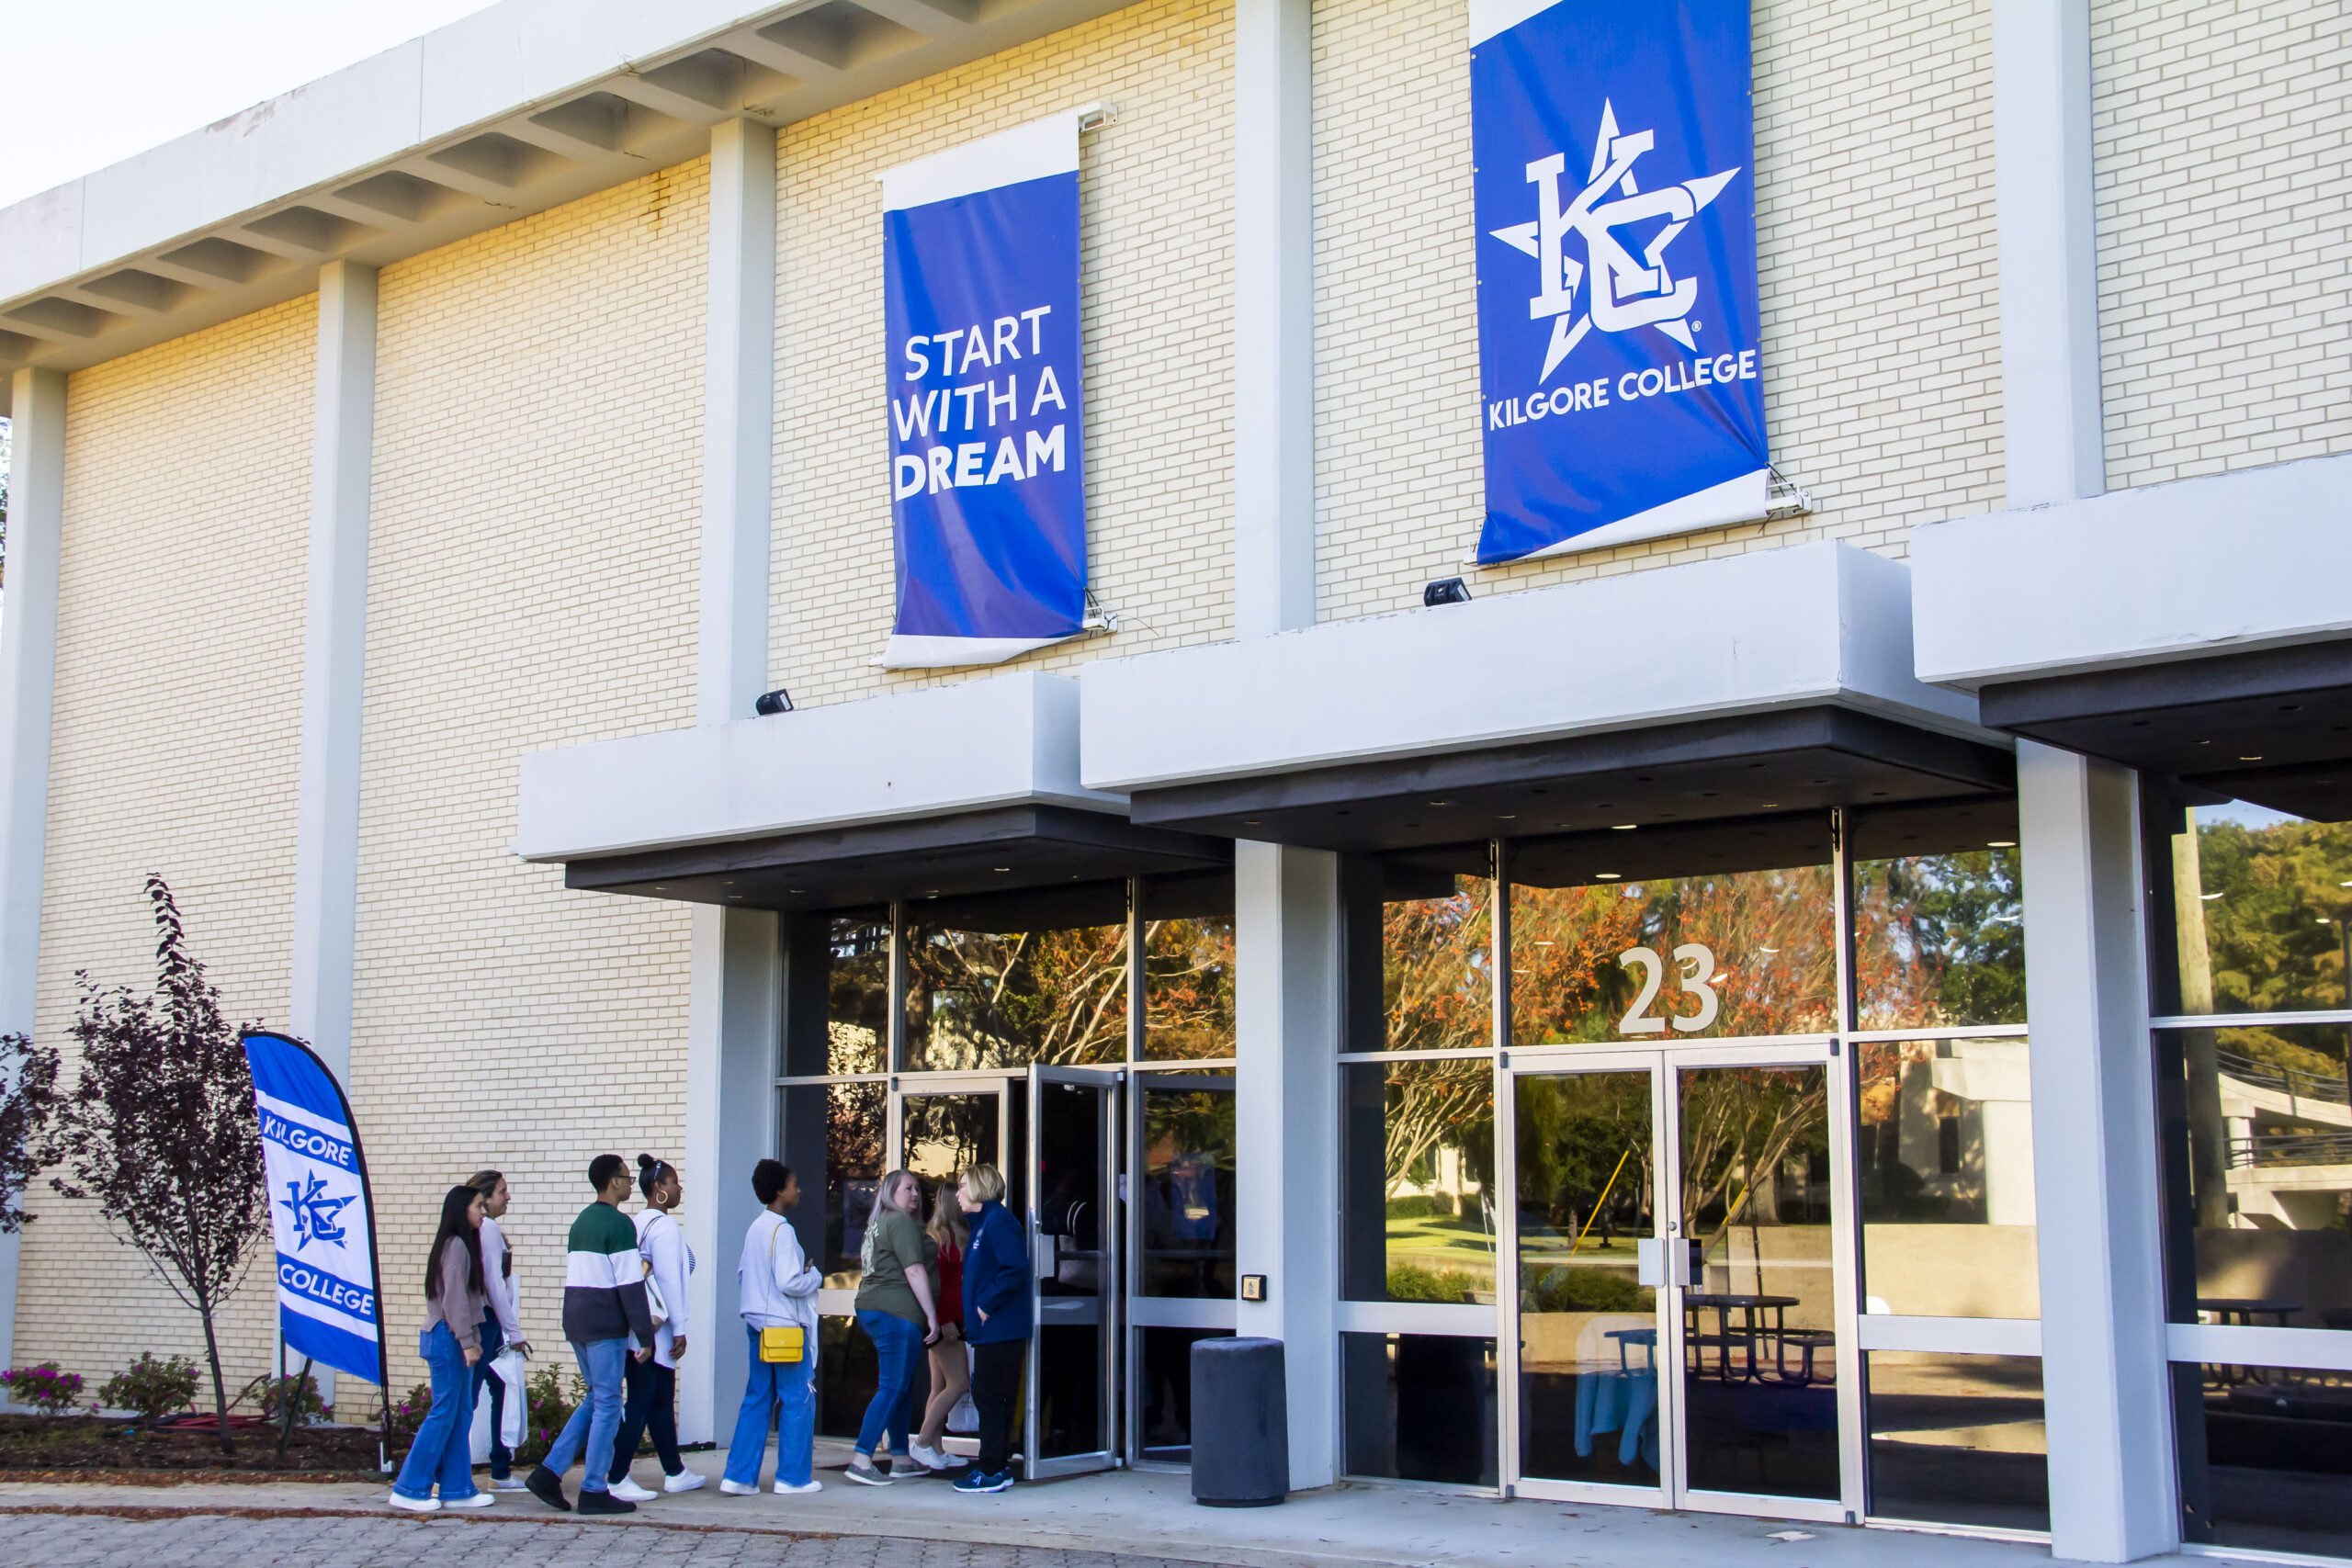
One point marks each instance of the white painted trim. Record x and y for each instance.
(1418, 1317)
(2054, 432)
(1743, 499)
(1951, 1336)
(903, 652)
(1488, 17)
(2236, 1345)
(1030, 152)
(739, 422)
(28, 686)
(1274, 317)
(1178, 1311)
(2250, 1020)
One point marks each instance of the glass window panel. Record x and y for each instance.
(1164, 1391)
(1689, 958)
(1420, 1407)
(1188, 1165)
(2276, 1470)
(1958, 1440)
(1188, 969)
(857, 998)
(1587, 1327)
(943, 1136)
(979, 999)
(847, 1374)
(1939, 940)
(1761, 1362)
(2259, 1146)
(1943, 1151)
(834, 1142)
(1415, 1217)
(1437, 987)
(2255, 910)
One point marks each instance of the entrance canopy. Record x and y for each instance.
(1771, 683)
(2198, 629)
(952, 791)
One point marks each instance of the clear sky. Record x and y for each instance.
(88, 82)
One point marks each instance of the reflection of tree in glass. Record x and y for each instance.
(1188, 970)
(1740, 1126)
(1940, 941)
(2268, 950)
(1574, 1135)
(989, 999)
(1771, 932)
(1436, 970)
(1445, 1104)
(853, 1147)
(946, 1134)
(857, 998)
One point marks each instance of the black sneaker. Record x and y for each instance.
(548, 1487)
(604, 1503)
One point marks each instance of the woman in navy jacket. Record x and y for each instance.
(996, 1322)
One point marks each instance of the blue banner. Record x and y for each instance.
(987, 446)
(321, 1213)
(1617, 309)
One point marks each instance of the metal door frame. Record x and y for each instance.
(1664, 1063)
(1141, 1312)
(1112, 1293)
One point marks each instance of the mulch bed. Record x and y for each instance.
(86, 1449)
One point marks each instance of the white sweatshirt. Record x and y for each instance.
(496, 1285)
(776, 1283)
(664, 1246)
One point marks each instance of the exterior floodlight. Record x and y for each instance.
(778, 701)
(1448, 591)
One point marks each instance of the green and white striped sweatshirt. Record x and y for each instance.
(604, 1278)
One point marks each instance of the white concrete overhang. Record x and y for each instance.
(2201, 630)
(1777, 681)
(514, 109)
(960, 789)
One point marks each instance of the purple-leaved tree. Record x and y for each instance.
(159, 1130)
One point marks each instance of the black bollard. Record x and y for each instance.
(1240, 1424)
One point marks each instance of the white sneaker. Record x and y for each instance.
(508, 1484)
(479, 1500)
(415, 1505)
(739, 1488)
(930, 1459)
(684, 1481)
(811, 1484)
(628, 1491)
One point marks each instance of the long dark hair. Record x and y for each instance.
(454, 1229)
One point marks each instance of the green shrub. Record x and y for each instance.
(547, 1405)
(152, 1388)
(47, 1387)
(1409, 1208)
(1411, 1283)
(408, 1414)
(265, 1394)
(1564, 1288)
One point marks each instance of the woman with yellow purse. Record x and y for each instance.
(778, 1291)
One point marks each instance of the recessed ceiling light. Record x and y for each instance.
(2000, 844)
(1768, 950)
(1508, 816)
(2208, 897)
(2249, 759)
(1250, 821)
(1440, 802)
(1609, 876)
(1000, 868)
(1545, 944)
(1623, 827)
(658, 888)
(1772, 805)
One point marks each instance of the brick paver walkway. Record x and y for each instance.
(114, 1541)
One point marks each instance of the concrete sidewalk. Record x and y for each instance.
(1153, 1516)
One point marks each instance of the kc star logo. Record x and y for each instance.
(315, 1215)
(1612, 286)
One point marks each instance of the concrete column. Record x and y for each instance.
(1274, 317)
(735, 1018)
(335, 646)
(2095, 1180)
(1286, 934)
(28, 678)
(2054, 434)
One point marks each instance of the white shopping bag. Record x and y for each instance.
(510, 1366)
(964, 1419)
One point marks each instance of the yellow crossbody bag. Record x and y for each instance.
(784, 1345)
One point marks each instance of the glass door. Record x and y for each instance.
(1180, 1190)
(1684, 1327)
(1072, 1425)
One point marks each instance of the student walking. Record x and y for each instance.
(778, 1291)
(604, 1309)
(500, 1327)
(996, 1321)
(451, 1344)
(898, 1312)
(653, 1385)
(950, 1379)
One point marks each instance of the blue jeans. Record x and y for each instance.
(897, 1350)
(443, 1450)
(596, 1423)
(493, 1339)
(787, 1393)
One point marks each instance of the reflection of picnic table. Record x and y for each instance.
(1750, 1328)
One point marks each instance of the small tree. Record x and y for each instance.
(26, 1109)
(160, 1130)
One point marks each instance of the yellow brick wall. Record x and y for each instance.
(2220, 130)
(174, 747)
(1873, 187)
(1155, 232)
(531, 584)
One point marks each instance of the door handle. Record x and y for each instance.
(1649, 1261)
